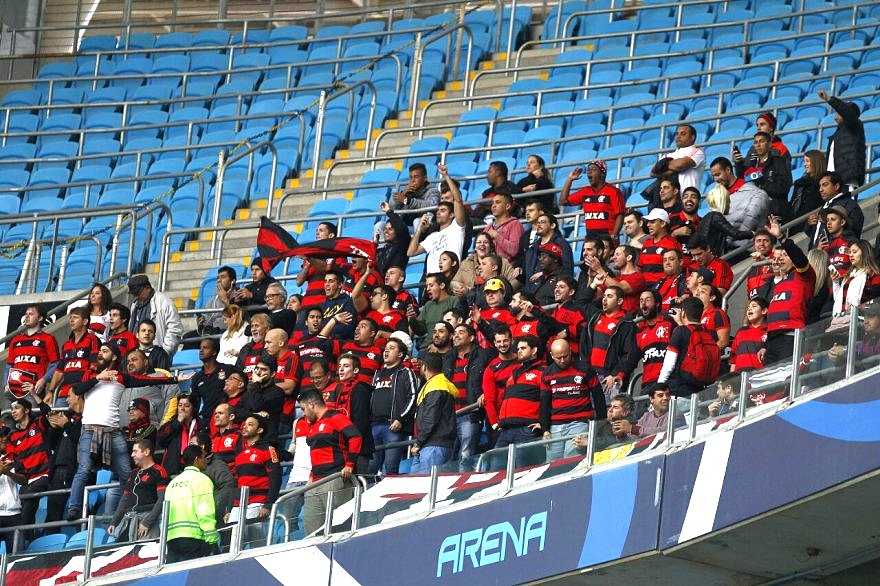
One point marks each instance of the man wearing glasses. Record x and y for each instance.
(276, 301)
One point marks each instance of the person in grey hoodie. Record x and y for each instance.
(749, 204)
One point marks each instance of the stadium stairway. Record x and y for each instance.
(187, 268)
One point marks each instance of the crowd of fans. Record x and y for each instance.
(513, 338)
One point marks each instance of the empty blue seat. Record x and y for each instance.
(175, 40)
(212, 39)
(60, 151)
(133, 71)
(52, 542)
(206, 63)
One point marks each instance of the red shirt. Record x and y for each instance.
(522, 395)
(334, 443)
(602, 332)
(653, 341)
(30, 355)
(390, 322)
(28, 447)
(495, 377)
(125, 340)
(637, 282)
(715, 319)
(723, 278)
(76, 360)
(791, 295)
(370, 358)
(838, 254)
(651, 257)
(601, 207)
(256, 467)
(748, 342)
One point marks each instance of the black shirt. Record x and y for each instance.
(208, 391)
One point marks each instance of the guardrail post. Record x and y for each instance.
(218, 195)
(743, 395)
(432, 489)
(851, 341)
(90, 543)
(511, 466)
(695, 415)
(328, 518)
(591, 442)
(510, 27)
(797, 350)
(319, 130)
(163, 533)
(235, 544)
(670, 423)
(416, 75)
(356, 513)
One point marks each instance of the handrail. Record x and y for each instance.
(296, 492)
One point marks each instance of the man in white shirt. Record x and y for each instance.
(688, 160)
(449, 235)
(10, 503)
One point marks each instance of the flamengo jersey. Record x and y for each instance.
(601, 207)
(521, 403)
(746, 345)
(495, 377)
(225, 446)
(76, 359)
(653, 341)
(370, 358)
(602, 333)
(29, 449)
(788, 306)
(30, 355)
(566, 393)
(256, 467)
(651, 258)
(334, 443)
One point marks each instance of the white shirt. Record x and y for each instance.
(301, 469)
(690, 177)
(102, 404)
(10, 503)
(229, 347)
(450, 238)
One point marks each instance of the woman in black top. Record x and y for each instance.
(805, 195)
(538, 179)
(396, 236)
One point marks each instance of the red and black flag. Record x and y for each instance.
(337, 248)
(274, 243)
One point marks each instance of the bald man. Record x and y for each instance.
(571, 395)
(287, 374)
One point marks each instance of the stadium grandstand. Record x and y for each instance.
(574, 291)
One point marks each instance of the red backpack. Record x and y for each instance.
(701, 363)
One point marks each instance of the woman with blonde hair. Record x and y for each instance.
(861, 283)
(234, 338)
(714, 227)
(818, 259)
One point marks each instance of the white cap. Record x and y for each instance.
(657, 214)
(403, 337)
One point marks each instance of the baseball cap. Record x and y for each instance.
(839, 210)
(707, 274)
(494, 285)
(137, 282)
(657, 214)
(404, 338)
(552, 249)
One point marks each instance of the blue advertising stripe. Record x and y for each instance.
(680, 474)
(836, 421)
(611, 510)
(859, 392)
(642, 534)
(175, 579)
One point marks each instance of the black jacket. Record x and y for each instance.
(775, 176)
(623, 352)
(715, 228)
(168, 438)
(849, 142)
(804, 198)
(856, 221)
(404, 388)
(436, 423)
(393, 254)
(478, 362)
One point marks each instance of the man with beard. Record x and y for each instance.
(464, 366)
(441, 339)
(629, 278)
(568, 312)
(651, 257)
(685, 222)
(367, 348)
(440, 302)
(608, 343)
(256, 467)
(101, 425)
(352, 398)
(652, 336)
(496, 374)
(673, 288)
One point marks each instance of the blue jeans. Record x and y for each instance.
(468, 438)
(565, 449)
(531, 456)
(390, 458)
(119, 458)
(430, 456)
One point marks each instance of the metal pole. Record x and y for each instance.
(356, 514)
(218, 193)
(319, 130)
(90, 542)
(851, 341)
(670, 423)
(415, 79)
(511, 466)
(510, 33)
(797, 350)
(692, 425)
(591, 442)
(163, 532)
(235, 545)
(328, 518)
(432, 489)
(743, 395)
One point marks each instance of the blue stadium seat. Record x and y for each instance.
(206, 63)
(16, 152)
(89, 173)
(214, 38)
(51, 542)
(96, 100)
(51, 176)
(175, 40)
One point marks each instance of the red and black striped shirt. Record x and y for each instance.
(838, 254)
(522, 396)
(651, 257)
(601, 207)
(288, 370)
(495, 377)
(653, 341)
(125, 340)
(390, 322)
(791, 295)
(602, 333)
(225, 445)
(370, 358)
(715, 319)
(32, 355)
(334, 443)
(567, 393)
(403, 300)
(256, 466)
(248, 357)
(671, 287)
(571, 316)
(723, 272)
(313, 349)
(747, 344)
(28, 447)
(758, 280)
(76, 360)
(459, 378)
